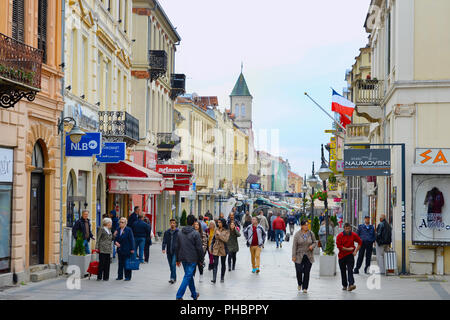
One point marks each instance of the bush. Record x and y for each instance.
(79, 249)
(334, 220)
(329, 248)
(183, 220)
(315, 226)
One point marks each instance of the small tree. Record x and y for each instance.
(315, 226)
(334, 220)
(183, 220)
(79, 249)
(329, 248)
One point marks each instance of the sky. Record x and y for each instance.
(287, 47)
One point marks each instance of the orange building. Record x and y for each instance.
(30, 105)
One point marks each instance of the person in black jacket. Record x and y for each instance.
(189, 252)
(169, 247)
(134, 216)
(383, 241)
(124, 240)
(148, 241)
(84, 225)
(141, 231)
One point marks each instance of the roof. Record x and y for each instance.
(240, 88)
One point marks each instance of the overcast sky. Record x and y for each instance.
(287, 47)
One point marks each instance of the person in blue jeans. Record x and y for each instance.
(279, 226)
(169, 246)
(189, 252)
(84, 226)
(141, 231)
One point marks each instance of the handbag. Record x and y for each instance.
(319, 244)
(132, 263)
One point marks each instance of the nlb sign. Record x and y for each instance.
(89, 145)
(432, 157)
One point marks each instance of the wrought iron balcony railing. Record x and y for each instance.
(369, 92)
(20, 71)
(178, 84)
(119, 126)
(158, 63)
(167, 140)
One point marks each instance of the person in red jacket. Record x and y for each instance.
(345, 242)
(278, 225)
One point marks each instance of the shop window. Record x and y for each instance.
(5, 227)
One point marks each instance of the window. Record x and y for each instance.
(119, 90)
(83, 75)
(125, 22)
(37, 158)
(74, 60)
(42, 28)
(5, 235)
(99, 79)
(243, 110)
(18, 20)
(236, 110)
(107, 84)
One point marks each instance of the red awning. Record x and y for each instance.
(178, 177)
(127, 177)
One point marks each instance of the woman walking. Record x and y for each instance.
(201, 265)
(233, 245)
(124, 241)
(210, 234)
(302, 255)
(103, 245)
(218, 249)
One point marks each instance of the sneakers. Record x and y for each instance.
(352, 287)
(171, 281)
(281, 245)
(257, 270)
(198, 295)
(253, 270)
(299, 288)
(305, 291)
(344, 288)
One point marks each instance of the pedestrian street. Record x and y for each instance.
(276, 281)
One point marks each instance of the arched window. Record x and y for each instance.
(236, 110)
(243, 110)
(37, 159)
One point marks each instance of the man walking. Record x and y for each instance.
(263, 221)
(232, 218)
(383, 241)
(256, 236)
(134, 216)
(169, 247)
(141, 231)
(291, 222)
(279, 226)
(345, 242)
(84, 225)
(189, 252)
(203, 225)
(272, 232)
(366, 232)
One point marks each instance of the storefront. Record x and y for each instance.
(6, 184)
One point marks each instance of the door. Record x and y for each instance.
(37, 219)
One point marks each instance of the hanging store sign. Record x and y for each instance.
(6, 165)
(112, 152)
(367, 162)
(172, 169)
(432, 157)
(89, 145)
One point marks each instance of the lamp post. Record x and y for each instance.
(312, 181)
(324, 174)
(75, 133)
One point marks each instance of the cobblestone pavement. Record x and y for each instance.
(276, 281)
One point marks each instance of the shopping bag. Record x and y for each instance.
(132, 263)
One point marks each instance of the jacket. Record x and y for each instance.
(204, 238)
(384, 233)
(300, 246)
(104, 241)
(278, 224)
(246, 219)
(141, 229)
(366, 233)
(348, 241)
(218, 245)
(126, 241)
(237, 223)
(189, 246)
(168, 240)
(132, 219)
(263, 222)
(291, 219)
(80, 226)
(232, 244)
(248, 234)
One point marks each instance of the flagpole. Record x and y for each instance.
(306, 94)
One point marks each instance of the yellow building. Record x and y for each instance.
(240, 165)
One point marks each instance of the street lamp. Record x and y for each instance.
(312, 181)
(75, 134)
(324, 174)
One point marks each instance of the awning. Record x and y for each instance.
(178, 177)
(127, 177)
(252, 178)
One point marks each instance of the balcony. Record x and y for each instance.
(357, 133)
(20, 71)
(158, 63)
(119, 126)
(369, 95)
(166, 143)
(178, 84)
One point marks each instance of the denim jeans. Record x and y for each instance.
(279, 236)
(139, 243)
(86, 246)
(172, 259)
(188, 280)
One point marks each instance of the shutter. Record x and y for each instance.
(18, 20)
(42, 28)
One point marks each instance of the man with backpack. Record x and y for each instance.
(383, 241)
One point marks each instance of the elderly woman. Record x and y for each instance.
(302, 255)
(219, 250)
(124, 240)
(210, 234)
(103, 245)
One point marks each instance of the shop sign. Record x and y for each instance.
(367, 162)
(6, 165)
(112, 152)
(432, 157)
(172, 169)
(431, 216)
(169, 184)
(89, 145)
(255, 186)
(86, 117)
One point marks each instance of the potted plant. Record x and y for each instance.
(315, 226)
(79, 257)
(183, 220)
(327, 261)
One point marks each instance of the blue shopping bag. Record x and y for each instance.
(132, 263)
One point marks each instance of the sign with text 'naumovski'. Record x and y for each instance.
(367, 162)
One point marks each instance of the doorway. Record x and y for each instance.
(37, 208)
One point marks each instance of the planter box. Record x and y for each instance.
(81, 261)
(316, 250)
(327, 265)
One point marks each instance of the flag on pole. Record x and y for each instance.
(341, 105)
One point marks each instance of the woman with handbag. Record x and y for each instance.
(210, 233)
(201, 265)
(103, 245)
(219, 250)
(233, 245)
(302, 255)
(124, 240)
